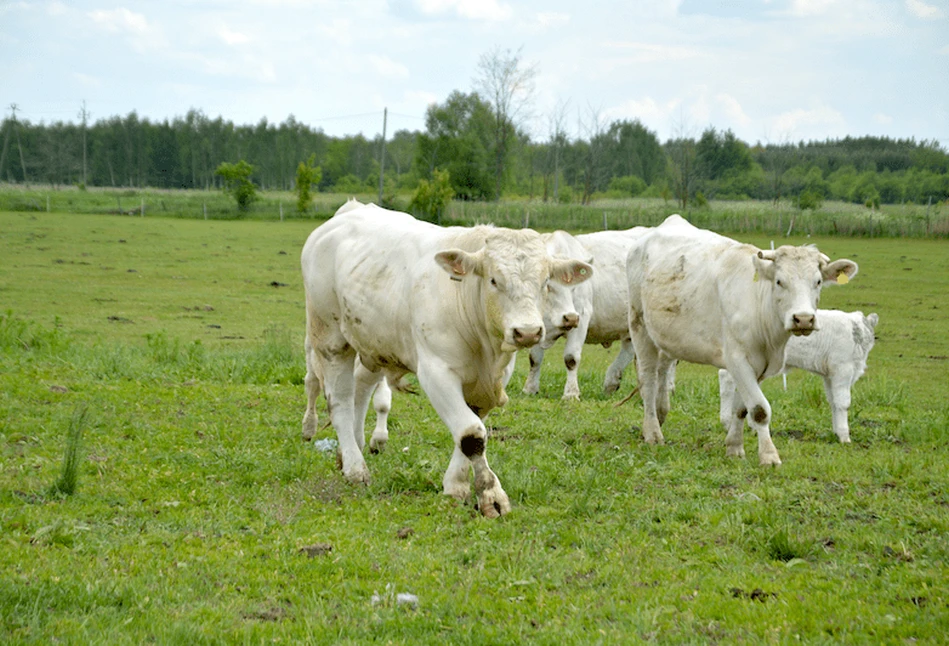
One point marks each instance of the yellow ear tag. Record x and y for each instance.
(842, 278)
(754, 278)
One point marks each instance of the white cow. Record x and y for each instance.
(698, 296)
(451, 305)
(837, 352)
(602, 304)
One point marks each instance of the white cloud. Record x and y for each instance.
(883, 119)
(822, 118)
(421, 97)
(549, 19)
(732, 109)
(489, 10)
(944, 50)
(651, 53)
(647, 110)
(56, 9)
(120, 20)
(231, 37)
(810, 7)
(922, 10)
(385, 66)
(87, 81)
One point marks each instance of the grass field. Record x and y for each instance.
(200, 517)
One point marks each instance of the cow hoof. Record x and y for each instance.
(377, 445)
(655, 438)
(610, 388)
(492, 504)
(845, 439)
(735, 451)
(769, 460)
(309, 427)
(460, 492)
(572, 397)
(530, 390)
(358, 475)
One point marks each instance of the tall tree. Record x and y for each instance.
(508, 84)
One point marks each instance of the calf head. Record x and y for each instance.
(796, 275)
(513, 271)
(560, 308)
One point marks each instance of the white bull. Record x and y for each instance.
(602, 304)
(451, 305)
(837, 352)
(698, 296)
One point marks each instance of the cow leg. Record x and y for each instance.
(732, 413)
(665, 380)
(532, 383)
(382, 403)
(313, 388)
(365, 383)
(444, 391)
(614, 374)
(837, 389)
(647, 364)
(339, 386)
(572, 352)
(759, 410)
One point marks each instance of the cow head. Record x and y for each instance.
(561, 309)
(796, 275)
(513, 271)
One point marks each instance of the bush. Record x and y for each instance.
(431, 197)
(237, 182)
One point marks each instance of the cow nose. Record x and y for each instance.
(570, 321)
(802, 323)
(525, 337)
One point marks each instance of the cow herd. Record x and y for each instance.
(388, 295)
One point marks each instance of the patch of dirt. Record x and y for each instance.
(316, 549)
(755, 595)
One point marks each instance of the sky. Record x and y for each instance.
(771, 71)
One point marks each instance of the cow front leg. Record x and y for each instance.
(470, 438)
(532, 383)
(572, 353)
(758, 410)
(614, 374)
(837, 389)
(732, 413)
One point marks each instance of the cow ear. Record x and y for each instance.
(459, 263)
(873, 319)
(839, 272)
(570, 272)
(764, 265)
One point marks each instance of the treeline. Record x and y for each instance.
(617, 159)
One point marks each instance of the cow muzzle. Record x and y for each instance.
(803, 324)
(526, 336)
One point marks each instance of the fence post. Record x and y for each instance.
(604, 221)
(205, 210)
(527, 218)
(143, 208)
(47, 206)
(281, 211)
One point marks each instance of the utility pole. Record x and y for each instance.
(13, 109)
(382, 157)
(84, 115)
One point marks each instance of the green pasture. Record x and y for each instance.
(201, 517)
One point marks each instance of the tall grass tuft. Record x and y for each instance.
(68, 479)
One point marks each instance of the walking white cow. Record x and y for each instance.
(837, 352)
(698, 296)
(452, 305)
(603, 306)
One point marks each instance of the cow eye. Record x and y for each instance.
(494, 283)
(779, 283)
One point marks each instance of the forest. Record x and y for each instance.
(486, 154)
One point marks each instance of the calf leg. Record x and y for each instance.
(837, 389)
(532, 384)
(366, 382)
(444, 390)
(614, 374)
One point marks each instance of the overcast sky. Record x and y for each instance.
(770, 70)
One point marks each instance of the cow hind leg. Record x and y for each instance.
(647, 364)
(532, 383)
(339, 387)
(614, 374)
(313, 388)
(382, 403)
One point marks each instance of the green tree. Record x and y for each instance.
(307, 177)
(236, 178)
(431, 197)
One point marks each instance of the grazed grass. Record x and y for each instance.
(197, 495)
